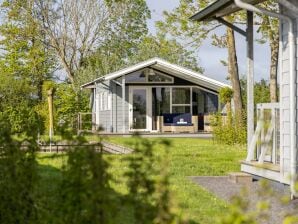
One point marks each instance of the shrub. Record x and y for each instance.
(148, 183)
(228, 129)
(18, 177)
(86, 196)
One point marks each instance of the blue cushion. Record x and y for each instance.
(177, 119)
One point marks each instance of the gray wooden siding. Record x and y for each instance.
(103, 117)
(285, 97)
(117, 107)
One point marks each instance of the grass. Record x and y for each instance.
(188, 157)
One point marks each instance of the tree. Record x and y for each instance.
(18, 177)
(233, 70)
(86, 195)
(25, 63)
(269, 28)
(261, 91)
(77, 28)
(150, 46)
(25, 54)
(177, 24)
(170, 50)
(225, 96)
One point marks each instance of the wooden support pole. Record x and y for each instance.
(250, 77)
(51, 116)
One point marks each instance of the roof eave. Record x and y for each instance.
(218, 9)
(210, 10)
(157, 62)
(91, 84)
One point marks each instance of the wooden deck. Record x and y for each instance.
(266, 170)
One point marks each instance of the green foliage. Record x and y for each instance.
(18, 177)
(261, 91)
(148, 183)
(119, 40)
(22, 118)
(228, 129)
(24, 64)
(225, 95)
(185, 157)
(86, 196)
(67, 104)
(168, 49)
(102, 63)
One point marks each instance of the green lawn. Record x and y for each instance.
(188, 157)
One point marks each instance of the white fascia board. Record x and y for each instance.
(92, 83)
(187, 72)
(130, 69)
(164, 65)
(122, 72)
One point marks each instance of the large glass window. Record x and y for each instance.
(148, 75)
(181, 100)
(180, 109)
(196, 102)
(154, 76)
(181, 96)
(198, 99)
(136, 77)
(160, 103)
(211, 103)
(161, 100)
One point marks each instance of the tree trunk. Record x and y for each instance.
(233, 71)
(274, 47)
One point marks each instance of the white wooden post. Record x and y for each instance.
(250, 77)
(123, 103)
(273, 117)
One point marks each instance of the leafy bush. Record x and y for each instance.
(18, 177)
(228, 129)
(148, 183)
(67, 103)
(86, 196)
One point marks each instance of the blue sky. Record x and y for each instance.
(209, 56)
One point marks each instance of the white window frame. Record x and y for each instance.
(183, 104)
(100, 101)
(105, 101)
(147, 78)
(109, 103)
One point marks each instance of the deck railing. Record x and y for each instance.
(265, 144)
(86, 122)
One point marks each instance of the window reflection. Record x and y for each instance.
(181, 96)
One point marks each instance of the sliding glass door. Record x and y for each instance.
(140, 116)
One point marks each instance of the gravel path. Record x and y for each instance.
(223, 188)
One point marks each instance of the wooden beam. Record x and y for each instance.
(232, 26)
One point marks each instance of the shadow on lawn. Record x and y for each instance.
(49, 203)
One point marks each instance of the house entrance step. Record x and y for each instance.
(240, 178)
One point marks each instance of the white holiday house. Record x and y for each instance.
(154, 96)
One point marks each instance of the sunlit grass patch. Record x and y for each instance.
(188, 157)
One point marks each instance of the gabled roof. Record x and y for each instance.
(166, 67)
(220, 8)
